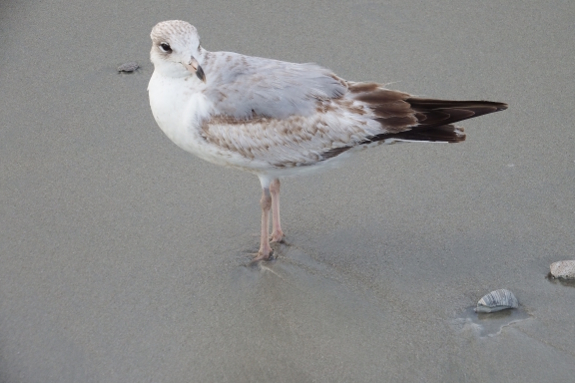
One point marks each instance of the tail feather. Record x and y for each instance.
(423, 119)
(444, 133)
(431, 113)
(407, 118)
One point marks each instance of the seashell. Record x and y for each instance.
(128, 67)
(497, 300)
(563, 269)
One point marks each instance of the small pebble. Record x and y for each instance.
(563, 269)
(496, 301)
(128, 67)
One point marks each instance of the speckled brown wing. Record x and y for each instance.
(366, 113)
(288, 142)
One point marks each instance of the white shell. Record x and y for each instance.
(497, 300)
(563, 269)
(128, 67)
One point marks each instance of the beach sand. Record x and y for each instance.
(125, 259)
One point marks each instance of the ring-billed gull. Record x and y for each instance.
(275, 119)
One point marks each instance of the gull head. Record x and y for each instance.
(176, 49)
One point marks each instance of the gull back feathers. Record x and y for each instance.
(244, 87)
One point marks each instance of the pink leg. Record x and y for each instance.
(265, 248)
(277, 233)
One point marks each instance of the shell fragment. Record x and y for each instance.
(128, 67)
(497, 300)
(563, 269)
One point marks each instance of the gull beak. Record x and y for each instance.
(194, 67)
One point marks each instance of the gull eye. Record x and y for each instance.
(165, 47)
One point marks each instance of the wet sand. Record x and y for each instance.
(125, 259)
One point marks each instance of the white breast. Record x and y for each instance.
(179, 110)
(175, 107)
